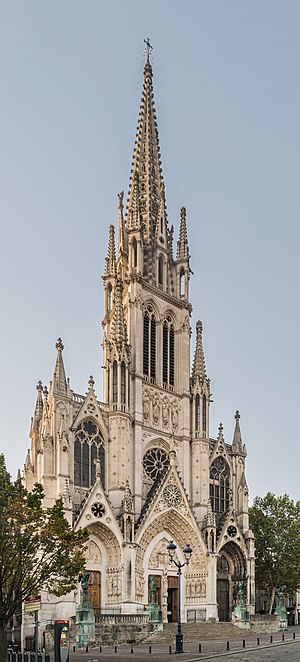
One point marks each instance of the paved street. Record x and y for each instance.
(289, 651)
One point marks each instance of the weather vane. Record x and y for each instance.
(149, 49)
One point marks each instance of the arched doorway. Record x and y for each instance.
(231, 568)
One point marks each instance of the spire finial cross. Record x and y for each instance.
(149, 49)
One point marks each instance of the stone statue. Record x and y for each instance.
(146, 406)
(165, 412)
(175, 416)
(155, 409)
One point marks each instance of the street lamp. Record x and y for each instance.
(171, 547)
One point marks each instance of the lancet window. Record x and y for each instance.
(168, 358)
(88, 447)
(161, 270)
(134, 253)
(197, 413)
(149, 344)
(219, 485)
(115, 382)
(204, 413)
(123, 383)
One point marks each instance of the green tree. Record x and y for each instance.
(38, 548)
(275, 522)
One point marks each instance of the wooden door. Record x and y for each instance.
(223, 599)
(172, 599)
(95, 590)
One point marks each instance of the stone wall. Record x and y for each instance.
(264, 623)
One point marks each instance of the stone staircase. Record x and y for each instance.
(199, 632)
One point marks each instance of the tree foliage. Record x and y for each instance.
(275, 522)
(38, 548)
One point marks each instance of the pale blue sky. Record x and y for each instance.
(226, 78)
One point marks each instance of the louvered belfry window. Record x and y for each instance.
(149, 344)
(88, 445)
(168, 357)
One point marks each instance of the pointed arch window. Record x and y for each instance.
(168, 358)
(197, 412)
(219, 485)
(88, 446)
(134, 253)
(161, 270)
(204, 413)
(123, 383)
(109, 297)
(115, 382)
(182, 284)
(149, 344)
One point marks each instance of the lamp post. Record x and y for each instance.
(171, 547)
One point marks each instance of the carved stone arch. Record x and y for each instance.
(105, 568)
(150, 302)
(169, 525)
(82, 417)
(231, 569)
(111, 548)
(156, 442)
(60, 407)
(180, 530)
(222, 457)
(168, 312)
(156, 542)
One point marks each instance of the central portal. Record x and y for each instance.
(172, 599)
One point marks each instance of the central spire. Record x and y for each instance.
(146, 165)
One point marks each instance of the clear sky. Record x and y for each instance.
(226, 79)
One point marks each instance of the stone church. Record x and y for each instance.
(140, 468)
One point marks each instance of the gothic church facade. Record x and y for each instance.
(141, 468)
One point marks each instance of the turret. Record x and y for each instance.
(59, 382)
(200, 387)
(183, 259)
(118, 356)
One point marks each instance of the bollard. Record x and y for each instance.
(200, 648)
(258, 642)
(100, 649)
(271, 639)
(170, 650)
(74, 648)
(131, 650)
(294, 635)
(244, 643)
(228, 646)
(282, 637)
(116, 649)
(87, 648)
(150, 650)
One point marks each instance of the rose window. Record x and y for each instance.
(172, 495)
(155, 462)
(98, 509)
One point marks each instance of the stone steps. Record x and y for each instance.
(199, 632)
